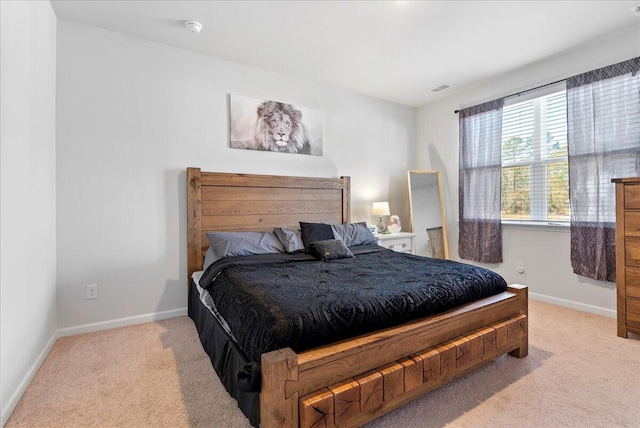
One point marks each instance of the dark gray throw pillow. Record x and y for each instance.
(312, 232)
(330, 249)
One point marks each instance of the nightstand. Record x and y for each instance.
(401, 242)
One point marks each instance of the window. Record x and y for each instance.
(535, 172)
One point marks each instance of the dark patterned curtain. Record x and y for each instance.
(603, 115)
(480, 228)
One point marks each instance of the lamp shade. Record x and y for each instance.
(380, 208)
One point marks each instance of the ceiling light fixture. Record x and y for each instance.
(636, 9)
(193, 26)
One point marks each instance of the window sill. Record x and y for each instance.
(537, 225)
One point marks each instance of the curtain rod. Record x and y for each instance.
(525, 91)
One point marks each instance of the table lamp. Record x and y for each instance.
(381, 209)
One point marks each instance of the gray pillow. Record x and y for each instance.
(329, 249)
(209, 258)
(353, 234)
(290, 238)
(228, 244)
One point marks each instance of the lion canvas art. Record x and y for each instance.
(274, 126)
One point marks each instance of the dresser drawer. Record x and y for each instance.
(632, 223)
(632, 252)
(632, 196)
(633, 312)
(401, 245)
(632, 282)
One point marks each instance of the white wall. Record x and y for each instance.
(28, 195)
(546, 252)
(132, 115)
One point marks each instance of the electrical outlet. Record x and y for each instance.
(92, 291)
(520, 267)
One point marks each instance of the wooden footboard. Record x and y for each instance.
(355, 381)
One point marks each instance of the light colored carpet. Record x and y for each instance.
(578, 374)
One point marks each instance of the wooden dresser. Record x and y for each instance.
(628, 254)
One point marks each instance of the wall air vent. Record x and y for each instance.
(636, 9)
(441, 87)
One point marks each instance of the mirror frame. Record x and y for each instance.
(441, 194)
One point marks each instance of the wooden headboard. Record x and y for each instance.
(243, 202)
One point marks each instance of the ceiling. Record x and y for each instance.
(392, 50)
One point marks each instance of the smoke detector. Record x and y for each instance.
(441, 87)
(636, 9)
(193, 26)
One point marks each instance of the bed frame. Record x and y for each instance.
(351, 382)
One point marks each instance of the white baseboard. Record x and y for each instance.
(26, 380)
(575, 305)
(121, 322)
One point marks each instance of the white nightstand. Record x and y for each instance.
(401, 242)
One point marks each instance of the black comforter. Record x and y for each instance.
(275, 301)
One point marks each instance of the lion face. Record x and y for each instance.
(279, 129)
(280, 126)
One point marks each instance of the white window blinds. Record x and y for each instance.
(535, 176)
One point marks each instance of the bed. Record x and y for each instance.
(356, 379)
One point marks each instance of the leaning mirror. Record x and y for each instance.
(427, 213)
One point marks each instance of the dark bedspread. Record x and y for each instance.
(293, 300)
